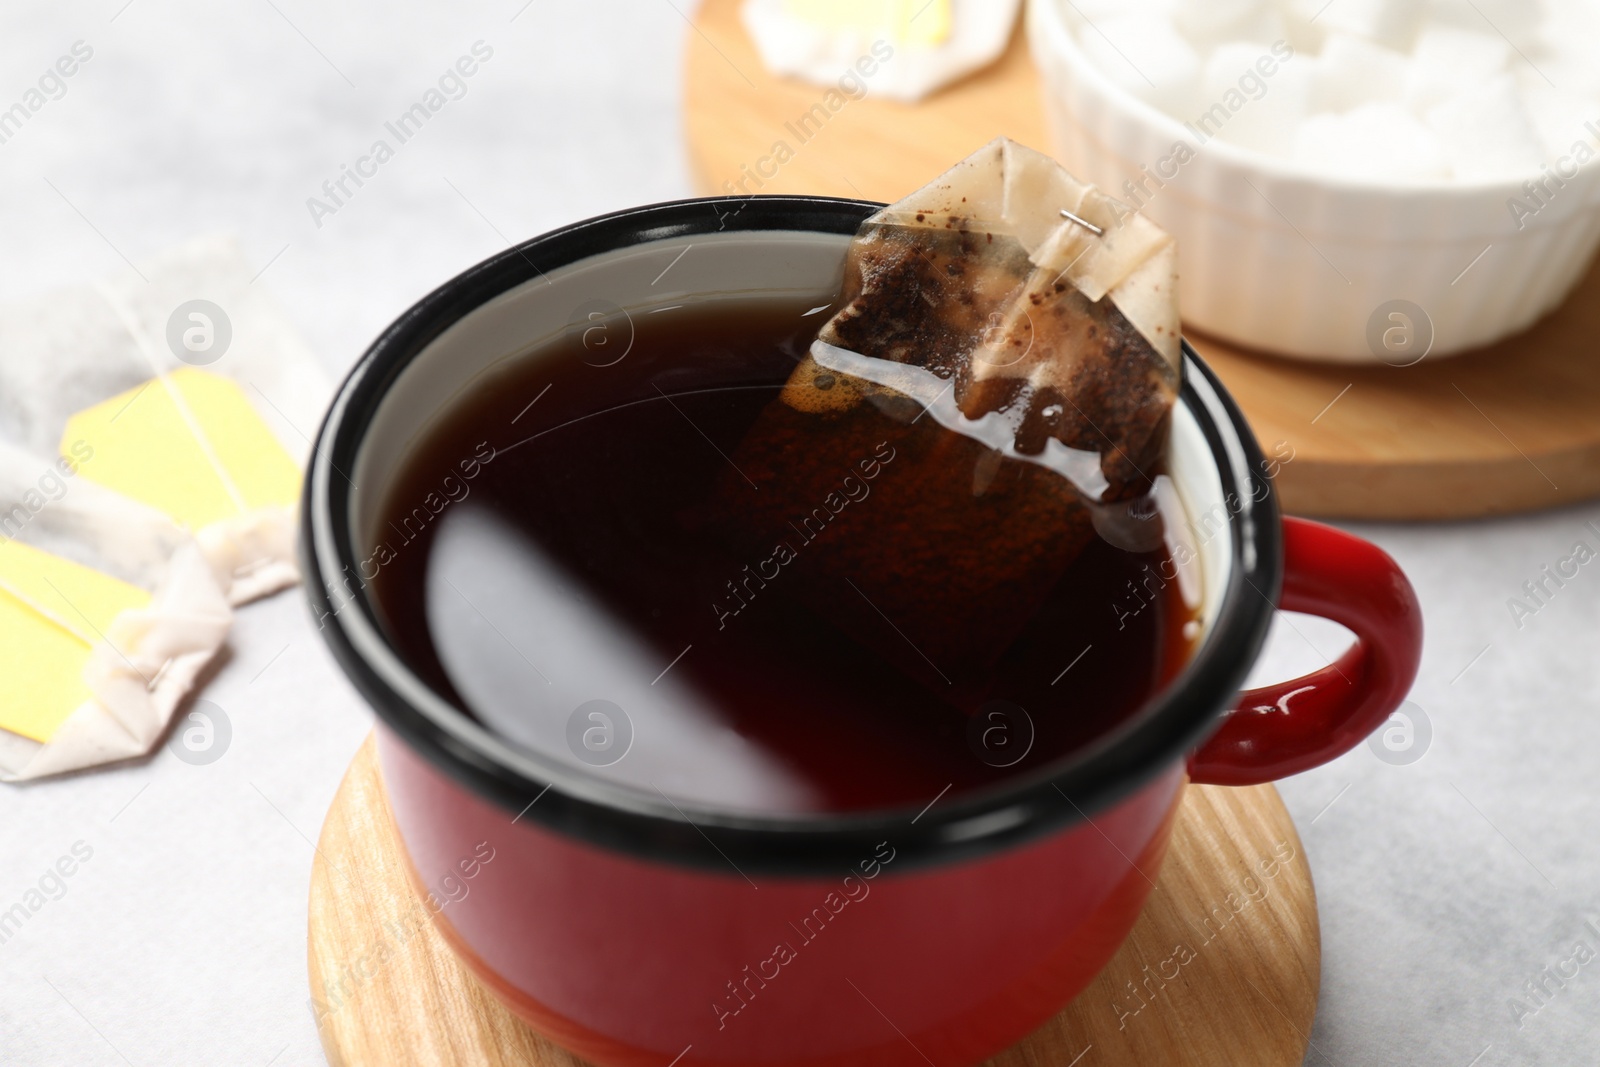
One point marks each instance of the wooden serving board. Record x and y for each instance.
(1240, 992)
(1511, 428)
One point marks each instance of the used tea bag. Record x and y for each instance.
(995, 388)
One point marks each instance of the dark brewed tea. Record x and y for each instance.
(560, 561)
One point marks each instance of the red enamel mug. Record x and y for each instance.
(635, 931)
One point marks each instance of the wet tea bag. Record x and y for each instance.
(182, 388)
(995, 389)
(100, 637)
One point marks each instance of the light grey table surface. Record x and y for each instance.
(1445, 886)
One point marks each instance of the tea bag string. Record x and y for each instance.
(141, 341)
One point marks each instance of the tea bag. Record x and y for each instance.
(182, 388)
(994, 390)
(100, 637)
(151, 442)
(901, 49)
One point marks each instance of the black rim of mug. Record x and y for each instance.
(612, 816)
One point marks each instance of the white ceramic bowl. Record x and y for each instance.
(1277, 258)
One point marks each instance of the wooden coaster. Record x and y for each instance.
(1222, 969)
(1511, 428)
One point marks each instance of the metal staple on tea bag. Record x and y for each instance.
(1085, 223)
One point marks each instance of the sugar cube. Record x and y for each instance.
(1145, 55)
(1570, 74)
(1211, 23)
(1246, 106)
(1449, 60)
(1266, 27)
(1383, 90)
(1352, 71)
(1562, 119)
(1205, 19)
(1379, 141)
(1486, 132)
(1392, 23)
(1517, 21)
(1303, 24)
(1565, 53)
(1319, 142)
(1569, 22)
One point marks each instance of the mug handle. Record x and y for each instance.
(1292, 726)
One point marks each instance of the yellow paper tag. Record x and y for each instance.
(52, 611)
(189, 444)
(906, 22)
